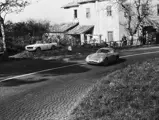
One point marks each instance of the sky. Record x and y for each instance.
(43, 10)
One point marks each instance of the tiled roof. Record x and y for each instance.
(61, 28)
(80, 29)
(71, 4)
(76, 3)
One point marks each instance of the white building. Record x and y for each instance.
(100, 19)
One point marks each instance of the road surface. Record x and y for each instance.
(52, 94)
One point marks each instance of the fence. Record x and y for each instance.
(120, 43)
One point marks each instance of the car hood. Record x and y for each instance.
(34, 45)
(97, 55)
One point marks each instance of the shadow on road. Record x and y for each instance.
(18, 67)
(67, 70)
(13, 68)
(44, 76)
(121, 60)
(18, 82)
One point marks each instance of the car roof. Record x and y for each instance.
(106, 48)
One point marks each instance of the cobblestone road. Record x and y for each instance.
(51, 95)
(49, 100)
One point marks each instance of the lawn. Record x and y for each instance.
(131, 93)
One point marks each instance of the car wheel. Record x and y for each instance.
(105, 63)
(117, 58)
(53, 47)
(38, 50)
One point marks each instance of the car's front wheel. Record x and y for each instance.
(38, 50)
(117, 58)
(53, 47)
(105, 62)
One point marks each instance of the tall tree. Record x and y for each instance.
(6, 7)
(135, 12)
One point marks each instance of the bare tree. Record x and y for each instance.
(6, 7)
(135, 12)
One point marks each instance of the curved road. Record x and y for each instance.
(51, 95)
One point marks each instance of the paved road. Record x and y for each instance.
(51, 95)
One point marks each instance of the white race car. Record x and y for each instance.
(103, 56)
(38, 46)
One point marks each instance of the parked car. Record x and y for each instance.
(103, 56)
(38, 46)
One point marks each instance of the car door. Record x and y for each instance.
(108, 55)
(111, 56)
(48, 46)
(45, 45)
(114, 56)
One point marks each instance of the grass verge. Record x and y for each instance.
(76, 54)
(131, 93)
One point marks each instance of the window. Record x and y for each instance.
(88, 14)
(157, 9)
(75, 14)
(110, 36)
(109, 10)
(103, 51)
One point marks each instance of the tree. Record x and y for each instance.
(135, 12)
(6, 7)
(37, 28)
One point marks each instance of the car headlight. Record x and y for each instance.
(100, 60)
(87, 58)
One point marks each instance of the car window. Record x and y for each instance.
(103, 51)
(38, 42)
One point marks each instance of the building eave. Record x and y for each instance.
(70, 5)
(86, 1)
(76, 4)
(67, 7)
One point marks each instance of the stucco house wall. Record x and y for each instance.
(83, 20)
(108, 23)
(98, 17)
(102, 23)
(70, 13)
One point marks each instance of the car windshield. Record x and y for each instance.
(103, 51)
(37, 42)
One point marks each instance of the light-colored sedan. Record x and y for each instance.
(38, 46)
(103, 56)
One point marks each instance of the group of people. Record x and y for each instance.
(126, 41)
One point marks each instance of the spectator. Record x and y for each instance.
(69, 48)
(124, 40)
(141, 39)
(131, 39)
